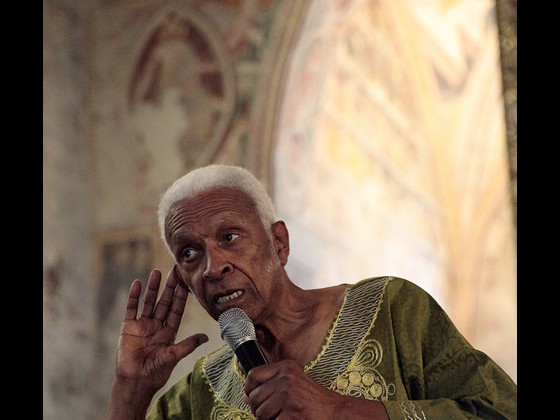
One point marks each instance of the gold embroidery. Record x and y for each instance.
(226, 384)
(412, 411)
(353, 322)
(361, 378)
(330, 334)
(230, 413)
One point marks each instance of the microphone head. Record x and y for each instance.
(236, 327)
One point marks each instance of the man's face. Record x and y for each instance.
(222, 251)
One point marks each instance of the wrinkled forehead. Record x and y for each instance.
(222, 200)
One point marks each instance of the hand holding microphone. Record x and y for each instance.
(284, 388)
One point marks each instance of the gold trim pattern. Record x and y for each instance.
(361, 379)
(412, 411)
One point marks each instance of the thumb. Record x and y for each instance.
(185, 347)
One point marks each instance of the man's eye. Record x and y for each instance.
(188, 254)
(229, 237)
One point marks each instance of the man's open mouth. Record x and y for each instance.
(231, 296)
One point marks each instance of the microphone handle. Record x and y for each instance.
(250, 355)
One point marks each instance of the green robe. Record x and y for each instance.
(390, 341)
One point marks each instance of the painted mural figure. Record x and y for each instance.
(177, 85)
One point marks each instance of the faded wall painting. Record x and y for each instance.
(122, 256)
(391, 158)
(174, 85)
(182, 71)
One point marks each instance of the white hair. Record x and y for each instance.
(217, 176)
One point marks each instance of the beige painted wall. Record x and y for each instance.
(391, 158)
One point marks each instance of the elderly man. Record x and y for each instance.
(380, 348)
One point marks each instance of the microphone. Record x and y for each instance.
(238, 331)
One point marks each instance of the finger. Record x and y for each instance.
(189, 344)
(151, 293)
(262, 401)
(177, 307)
(259, 375)
(132, 302)
(166, 299)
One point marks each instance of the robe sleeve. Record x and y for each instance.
(174, 404)
(444, 375)
(189, 398)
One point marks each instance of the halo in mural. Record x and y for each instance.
(181, 88)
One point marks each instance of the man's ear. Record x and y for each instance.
(281, 240)
(182, 280)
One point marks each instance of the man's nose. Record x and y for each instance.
(217, 265)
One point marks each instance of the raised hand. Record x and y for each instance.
(147, 352)
(147, 348)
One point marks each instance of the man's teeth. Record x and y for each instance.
(227, 298)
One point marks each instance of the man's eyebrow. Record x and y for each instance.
(180, 237)
(229, 220)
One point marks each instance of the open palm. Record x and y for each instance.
(147, 351)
